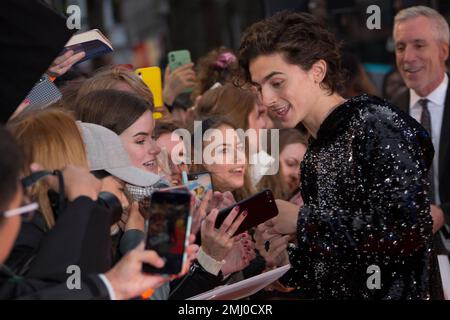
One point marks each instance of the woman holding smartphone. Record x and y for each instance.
(364, 175)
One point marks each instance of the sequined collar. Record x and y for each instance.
(339, 116)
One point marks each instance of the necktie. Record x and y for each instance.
(425, 121)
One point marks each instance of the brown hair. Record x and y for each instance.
(109, 77)
(51, 138)
(213, 123)
(300, 38)
(209, 71)
(162, 127)
(113, 109)
(228, 100)
(275, 182)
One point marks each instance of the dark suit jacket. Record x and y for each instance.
(402, 101)
(80, 236)
(15, 287)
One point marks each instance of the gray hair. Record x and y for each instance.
(439, 26)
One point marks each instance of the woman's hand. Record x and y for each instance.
(217, 242)
(178, 80)
(241, 254)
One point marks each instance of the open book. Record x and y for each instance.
(92, 42)
(243, 288)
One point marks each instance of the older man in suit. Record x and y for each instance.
(421, 38)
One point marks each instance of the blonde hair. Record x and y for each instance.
(51, 138)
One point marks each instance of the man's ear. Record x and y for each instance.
(444, 51)
(319, 70)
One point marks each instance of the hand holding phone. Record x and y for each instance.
(179, 76)
(217, 242)
(260, 207)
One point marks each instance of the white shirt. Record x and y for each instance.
(436, 105)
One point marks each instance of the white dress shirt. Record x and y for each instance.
(436, 105)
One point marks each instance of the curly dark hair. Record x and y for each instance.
(300, 38)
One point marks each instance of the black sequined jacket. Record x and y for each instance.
(365, 229)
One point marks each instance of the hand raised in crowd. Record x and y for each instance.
(64, 62)
(178, 80)
(128, 280)
(241, 254)
(78, 182)
(217, 242)
(271, 247)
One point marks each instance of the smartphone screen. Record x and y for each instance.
(168, 230)
(200, 183)
(260, 208)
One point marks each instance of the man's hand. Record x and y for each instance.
(128, 280)
(176, 81)
(286, 220)
(438, 218)
(271, 247)
(64, 62)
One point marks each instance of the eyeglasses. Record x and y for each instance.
(26, 211)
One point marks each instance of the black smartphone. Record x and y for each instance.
(200, 183)
(260, 208)
(169, 227)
